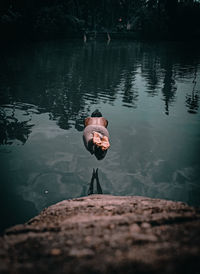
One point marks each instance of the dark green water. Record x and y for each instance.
(149, 92)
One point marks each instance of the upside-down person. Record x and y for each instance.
(95, 135)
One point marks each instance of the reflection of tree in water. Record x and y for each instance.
(153, 64)
(150, 70)
(153, 82)
(169, 87)
(12, 129)
(68, 79)
(130, 94)
(91, 75)
(192, 100)
(166, 63)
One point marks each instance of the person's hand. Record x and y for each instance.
(100, 141)
(105, 143)
(97, 139)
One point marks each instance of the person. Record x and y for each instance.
(95, 135)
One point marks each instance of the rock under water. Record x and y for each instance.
(105, 234)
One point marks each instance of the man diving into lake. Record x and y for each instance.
(95, 135)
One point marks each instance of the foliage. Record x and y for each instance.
(149, 18)
(52, 20)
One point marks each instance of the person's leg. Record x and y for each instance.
(91, 187)
(99, 189)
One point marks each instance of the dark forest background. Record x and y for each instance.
(36, 19)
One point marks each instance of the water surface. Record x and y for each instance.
(149, 92)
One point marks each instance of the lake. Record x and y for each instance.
(149, 93)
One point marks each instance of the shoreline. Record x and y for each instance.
(90, 36)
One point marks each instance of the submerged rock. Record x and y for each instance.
(105, 234)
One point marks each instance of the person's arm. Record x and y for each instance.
(104, 122)
(87, 121)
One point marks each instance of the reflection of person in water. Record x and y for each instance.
(95, 135)
(91, 187)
